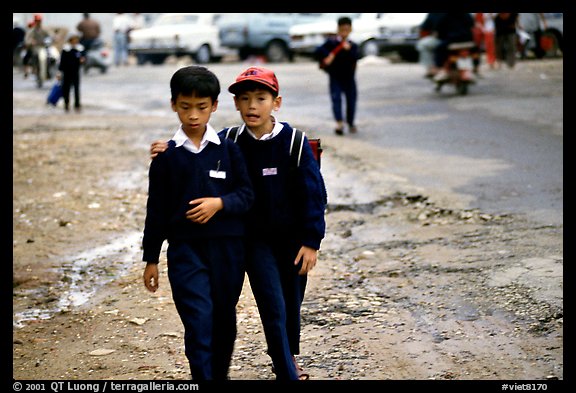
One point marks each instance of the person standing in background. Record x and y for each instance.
(339, 57)
(89, 29)
(70, 61)
(505, 25)
(121, 25)
(488, 35)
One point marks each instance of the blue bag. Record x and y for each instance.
(55, 94)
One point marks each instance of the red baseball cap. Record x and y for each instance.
(256, 74)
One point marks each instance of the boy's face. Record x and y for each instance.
(344, 30)
(256, 107)
(194, 112)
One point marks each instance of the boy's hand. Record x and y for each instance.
(204, 210)
(151, 276)
(309, 257)
(329, 59)
(158, 147)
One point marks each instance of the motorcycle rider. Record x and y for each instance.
(34, 42)
(450, 28)
(426, 44)
(89, 29)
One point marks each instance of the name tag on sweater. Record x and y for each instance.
(217, 174)
(269, 171)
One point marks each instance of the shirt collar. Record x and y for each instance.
(182, 139)
(278, 126)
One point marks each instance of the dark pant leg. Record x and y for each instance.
(227, 276)
(293, 289)
(351, 95)
(264, 276)
(190, 282)
(76, 83)
(441, 53)
(336, 98)
(66, 85)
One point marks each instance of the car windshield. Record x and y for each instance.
(177, 20)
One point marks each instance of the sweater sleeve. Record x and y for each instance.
(157, 217)
(240, 200)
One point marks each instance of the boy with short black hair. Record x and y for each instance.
(340, 57)
(199, 190)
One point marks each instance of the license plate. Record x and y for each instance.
(464, 63)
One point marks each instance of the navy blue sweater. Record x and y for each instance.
(289, 201)
(179, 176)
(343, 68)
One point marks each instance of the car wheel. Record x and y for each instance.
(370, 48)
(204, 55)
(157, 59)
(277, 52)
(141, 59)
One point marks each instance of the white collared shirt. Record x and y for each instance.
(182, 139)
(275, 131)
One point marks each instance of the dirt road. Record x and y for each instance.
(407, 288)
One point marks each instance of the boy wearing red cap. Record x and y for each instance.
(286, 224)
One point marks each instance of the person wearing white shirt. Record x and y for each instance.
(121, 23)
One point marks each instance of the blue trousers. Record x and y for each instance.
(206, 277)
(279, 292)
(346, 87)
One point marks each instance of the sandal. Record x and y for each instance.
(302, 375)
(339, 131)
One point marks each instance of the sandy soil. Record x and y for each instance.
(406, 288)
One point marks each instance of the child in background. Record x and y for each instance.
(199, 190)
(340, 58)
(71, 60)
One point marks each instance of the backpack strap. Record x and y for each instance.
(296, 147)
(232, 133)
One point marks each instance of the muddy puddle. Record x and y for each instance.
(82, 276)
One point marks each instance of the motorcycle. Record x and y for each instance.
(45, 62)
(97, 56)
(459, 67)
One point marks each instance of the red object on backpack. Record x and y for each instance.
(316, 148)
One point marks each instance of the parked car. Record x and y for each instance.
(265, 34)
(306, 37)
(399, 32)
(192, 34)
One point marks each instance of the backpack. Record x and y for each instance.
(295, 145)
